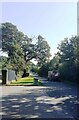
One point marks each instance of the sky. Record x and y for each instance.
(52, 20)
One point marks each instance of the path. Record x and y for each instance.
(54, 100)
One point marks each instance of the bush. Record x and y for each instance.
(43, 71)
(68, 72)
(35, 69)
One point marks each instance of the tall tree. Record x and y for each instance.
(39, 51)
(10, 37)
(43, 51)
(68, 52)
(11, 43)
(21, 49)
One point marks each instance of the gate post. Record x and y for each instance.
(4, 76)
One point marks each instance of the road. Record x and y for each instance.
(53, 100)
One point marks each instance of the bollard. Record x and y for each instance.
(35, 81)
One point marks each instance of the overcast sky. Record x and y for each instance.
(53, 20)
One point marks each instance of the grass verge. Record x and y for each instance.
(28, 81)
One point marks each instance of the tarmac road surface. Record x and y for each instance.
(53, 100)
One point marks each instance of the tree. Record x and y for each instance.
(68, 53)
(43, 70)
(29, 50)
(43, 51)
(54, 63)
(3, 59)
(21, 49)
(10, 37)
(11, 43)
(39, 51)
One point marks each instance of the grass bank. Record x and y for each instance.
(29, 81)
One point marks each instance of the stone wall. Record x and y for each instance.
(11, 75)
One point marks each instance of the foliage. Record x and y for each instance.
(35, 68)
(65, 61)
(43, 71)
(43, 51)
(3, 59)
(21, 49)
(11, 43)
(68, 53)
(39, 51)
(52, 65)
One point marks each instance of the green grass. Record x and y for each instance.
(25, 81)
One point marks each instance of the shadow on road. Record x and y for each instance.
(58, 102)
(66, 99)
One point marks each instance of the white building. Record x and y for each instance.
(78, 18)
